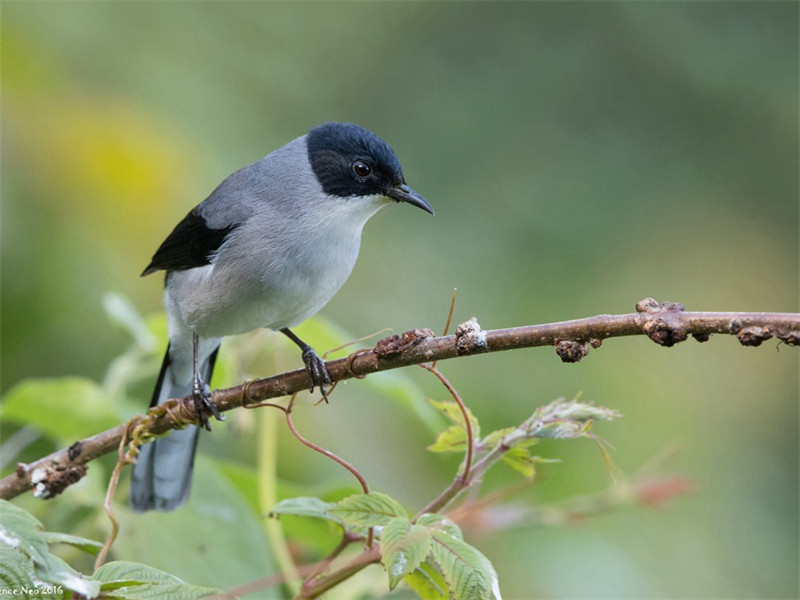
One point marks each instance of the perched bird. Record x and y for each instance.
(268, 248)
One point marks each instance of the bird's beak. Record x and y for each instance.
(403, 193)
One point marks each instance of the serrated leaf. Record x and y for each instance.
(467, 571)
(574, 410)
(21, 530)
(66, 408)
(520, 459)
(304, 506)
(564, 429)
(16, 569)
(403, 548)
(428, 582)
(440, 523)
(368, 510)
(58, 572)
(452, 411)
(452, 439)
(134, 581)
(87, 545)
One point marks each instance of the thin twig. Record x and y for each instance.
(331, 455)
(321, 450)
(263, 583)
(464, 413)
(449, 317)
(358, 341)
(323, 565)
(367, 557)
(108, 503)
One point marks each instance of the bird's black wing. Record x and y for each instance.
(191, 244)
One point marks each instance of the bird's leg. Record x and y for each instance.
(315, 367)
(203, 405)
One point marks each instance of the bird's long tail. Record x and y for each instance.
(162, 475)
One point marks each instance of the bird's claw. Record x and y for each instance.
(204, 406)
(317, 372)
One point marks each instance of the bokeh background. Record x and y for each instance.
(580, 157)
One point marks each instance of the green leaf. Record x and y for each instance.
(134, 581)
(491, 440)
(403, 548)
(16, 569)
(87, 545)
(66, 408)
(314, 535)
(574, 410)
(368, 510)
(60, 573)
(440, 523)
(304, 507)
(452, 439)
(564, 429)
(452, 411)
(519, 458)
(428, 582)
(21, 530)
(469, 573)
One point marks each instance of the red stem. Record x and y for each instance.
(332, 456)
(464, 413)
(322, 451)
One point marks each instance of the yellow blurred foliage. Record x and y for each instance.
(97, 153)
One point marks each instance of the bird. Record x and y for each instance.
(268, 248)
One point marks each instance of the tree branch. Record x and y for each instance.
(665, 324)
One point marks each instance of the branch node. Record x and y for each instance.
(673, 306)
(754, 335)
(664, 333)
(701, 337)
(790, 337)
(50, 480)
(648, 305)
(75, 450)
(470, 338)
(660, 325)
(397, 344)
(572, 351)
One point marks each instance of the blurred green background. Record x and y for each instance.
(580, 156)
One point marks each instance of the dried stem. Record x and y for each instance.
(108, 504)
(449, 317)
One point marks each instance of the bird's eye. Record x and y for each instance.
(361, 168)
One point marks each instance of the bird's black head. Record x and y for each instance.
(349, 160)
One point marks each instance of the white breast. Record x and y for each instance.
(273, 272)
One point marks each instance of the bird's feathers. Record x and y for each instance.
(191, 244)
(162, 475)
